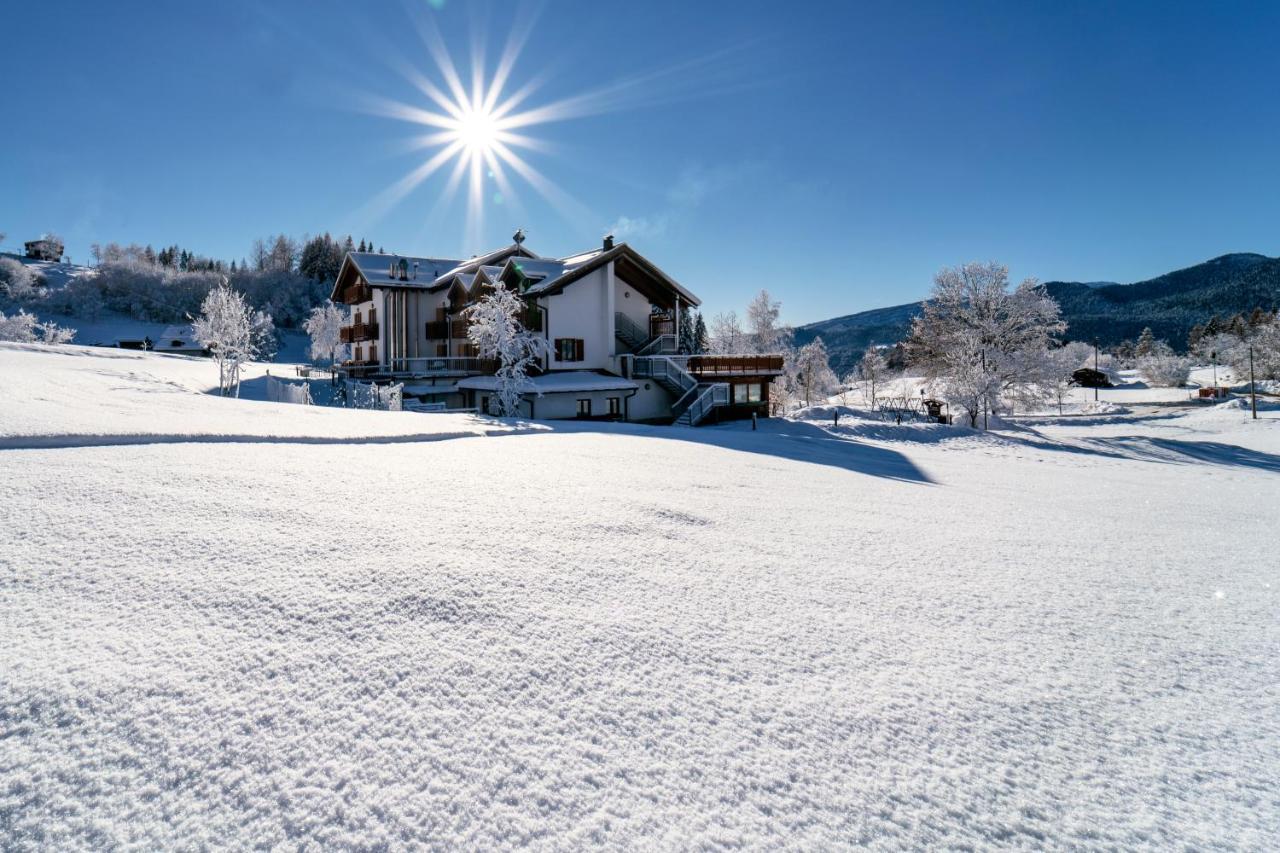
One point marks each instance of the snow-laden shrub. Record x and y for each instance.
(19, 327)
(16, 281)
(1163, 368)
(52, 333)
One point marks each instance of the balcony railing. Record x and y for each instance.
(358, 332)
(659, 325)
(741, 365)
(439, 330)
(531, 319)
(441, 366)
(405, 367)
(355, 294)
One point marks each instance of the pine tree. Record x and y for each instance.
(361, 249)
(701, 341)
(1146, 342)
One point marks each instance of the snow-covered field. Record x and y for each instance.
(236, 623)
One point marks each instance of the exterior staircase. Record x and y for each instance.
(629, 332)
(694, 400)
(637, 338)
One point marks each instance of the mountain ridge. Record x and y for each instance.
(1170, 304)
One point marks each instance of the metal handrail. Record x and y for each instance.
(664, 343)
(629, 330)
(716, 395)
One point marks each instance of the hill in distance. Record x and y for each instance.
(1170, 304)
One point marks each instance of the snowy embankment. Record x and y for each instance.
(72, 396)
(644, 637)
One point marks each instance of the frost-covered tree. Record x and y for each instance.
(1233, 349)
(1162, 367)
(325, 328)
(983, 344)
(1146, 343)
(233, 334)
(52, 333)
(20, 327)
(496, 331)
(767, 335)
(870, 373)
(813, 376)
(16, 281)
(726, 333)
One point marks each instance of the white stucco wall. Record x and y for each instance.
(579, 312)
(628, 301)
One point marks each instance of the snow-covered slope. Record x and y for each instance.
(638, 636)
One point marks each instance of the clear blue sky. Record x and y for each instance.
(837, 154)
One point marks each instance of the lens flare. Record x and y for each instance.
(473, 124)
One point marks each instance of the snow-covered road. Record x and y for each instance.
(634, 636)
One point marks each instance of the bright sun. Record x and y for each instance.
(478, 130)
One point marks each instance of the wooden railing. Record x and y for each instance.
(439, 330)
(659, 325)
(358, 332)
(743, 365)
(531, 318)
(355, 294)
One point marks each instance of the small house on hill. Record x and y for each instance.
(180, 340)
(44, 249)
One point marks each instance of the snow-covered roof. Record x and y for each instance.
(180, 337)
(553, 383)
(377, 269)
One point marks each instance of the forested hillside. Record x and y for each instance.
(1170, 305)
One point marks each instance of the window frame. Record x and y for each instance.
(587, 401)
(577, 349)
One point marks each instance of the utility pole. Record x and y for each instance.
(1095, 370)
(1253, 391)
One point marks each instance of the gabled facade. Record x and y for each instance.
(610, 316)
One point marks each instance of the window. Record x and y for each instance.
(484, 404)
(442, 350)
(373, 314)
(584, 408)
(358, 352)
(745, 393)
(373, 352)
(615, 406)
(569, 349)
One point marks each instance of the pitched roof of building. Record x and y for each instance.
(543, 276)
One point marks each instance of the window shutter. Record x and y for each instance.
(579, 350)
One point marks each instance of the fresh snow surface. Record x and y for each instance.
(234, 623)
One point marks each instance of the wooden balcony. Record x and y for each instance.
(532, 318)
(734, 365)
(660, 325)
(440, 330)
(355, 294)
(358, 332)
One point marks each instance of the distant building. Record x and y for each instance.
(179, 339)
(45, 249)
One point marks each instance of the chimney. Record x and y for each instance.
(608, 242)
(415, 270)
